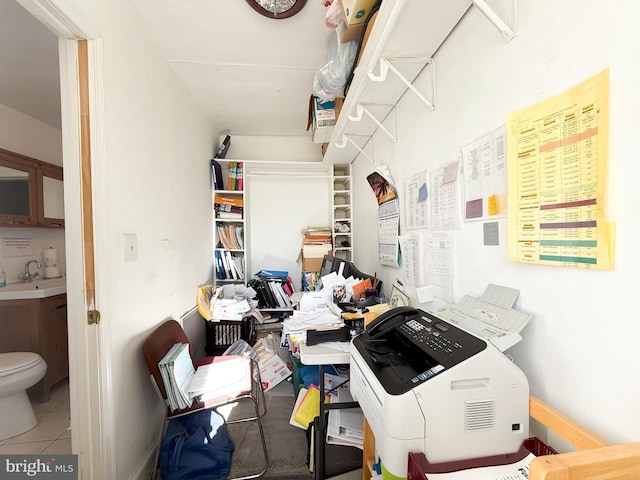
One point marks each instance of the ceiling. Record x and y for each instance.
(29, 75)
(249, 74)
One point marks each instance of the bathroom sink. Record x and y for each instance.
(38, 288)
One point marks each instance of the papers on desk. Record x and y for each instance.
(295, 327)
(345, 426)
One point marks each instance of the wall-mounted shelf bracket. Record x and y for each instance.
(508, 30)
(361, 108)
(347, 139)
(386, 65)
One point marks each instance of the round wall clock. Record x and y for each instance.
(277, 8)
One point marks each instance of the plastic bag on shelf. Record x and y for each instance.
(333, 17)
(331, 78)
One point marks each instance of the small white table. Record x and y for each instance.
(325, 354)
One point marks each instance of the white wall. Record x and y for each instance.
(25, 135)
(580, 350)
(154, 183)
(279, 208)
(272, 148)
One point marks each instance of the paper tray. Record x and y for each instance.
(419, 466)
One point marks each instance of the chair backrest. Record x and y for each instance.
(157, 345)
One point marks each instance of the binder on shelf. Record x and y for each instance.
(231, 184)
(216, 175)
(224, 147)
(239, 176)
(227, 200)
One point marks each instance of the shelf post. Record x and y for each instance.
(508, 32)
(386, 65)
(346, 138)
(360, 109)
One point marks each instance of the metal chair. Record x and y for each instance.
(155, 348)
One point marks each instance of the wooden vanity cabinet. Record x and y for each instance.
(38, 325)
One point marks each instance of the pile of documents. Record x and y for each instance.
(176, 369)
(223, 378)
(345, 425)
(213, 305)
(307, 407)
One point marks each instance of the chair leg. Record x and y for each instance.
(258, 419)
(154, 474)
(260, 391)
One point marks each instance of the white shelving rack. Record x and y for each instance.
(342, 211)
(233, 226)
(404, 38)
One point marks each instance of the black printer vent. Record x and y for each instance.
(479, 415)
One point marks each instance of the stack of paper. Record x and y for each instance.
(224, 378)
(345, 426)
(176, 369)
(307, 407)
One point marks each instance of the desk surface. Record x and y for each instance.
(325, 353)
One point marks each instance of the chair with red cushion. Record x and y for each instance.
(156, 346)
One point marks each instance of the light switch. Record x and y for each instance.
(130, 247)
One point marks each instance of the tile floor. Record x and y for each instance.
(52, 434)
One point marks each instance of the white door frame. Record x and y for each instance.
(90, 389)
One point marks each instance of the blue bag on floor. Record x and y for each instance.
(196, 447)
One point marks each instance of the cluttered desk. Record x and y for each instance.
(319, 334)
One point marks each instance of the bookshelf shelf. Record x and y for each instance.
(229, 232)
(341, 209)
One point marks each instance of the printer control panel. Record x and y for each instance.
(410, 346)
(446, 344)
(430, 336)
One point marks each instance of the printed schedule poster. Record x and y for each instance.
(557, 169)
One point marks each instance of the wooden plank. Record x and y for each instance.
(616, 462)
(368, 452)
(566, 428)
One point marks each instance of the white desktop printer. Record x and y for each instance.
(426, 383)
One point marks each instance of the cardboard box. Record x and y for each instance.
(352, 32)
(356, 11)
(312, 256)
(323, 117)
(273, 369)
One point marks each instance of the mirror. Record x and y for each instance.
(16, 186)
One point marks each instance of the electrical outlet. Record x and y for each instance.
(130, 247)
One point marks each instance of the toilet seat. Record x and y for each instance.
(16, 362)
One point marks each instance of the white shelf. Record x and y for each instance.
(234, 252)
(406, 33)
(341, 208)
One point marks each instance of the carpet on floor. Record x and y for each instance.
(286, 445)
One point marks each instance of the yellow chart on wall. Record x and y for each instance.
(557, 166)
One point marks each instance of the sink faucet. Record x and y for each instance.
(27, 276)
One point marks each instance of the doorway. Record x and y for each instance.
(91, 435)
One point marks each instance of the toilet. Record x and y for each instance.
(18, 371)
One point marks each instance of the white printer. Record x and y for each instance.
(428, 385)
